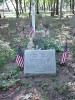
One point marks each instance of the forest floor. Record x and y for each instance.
(45, 87)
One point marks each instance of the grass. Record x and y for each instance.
(6, 55)
(25, 14)
(9, 48)
(11, 77)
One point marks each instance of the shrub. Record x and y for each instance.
(50, 43)
(6, 54)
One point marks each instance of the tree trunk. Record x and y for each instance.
(17, 13)
(70, 5)
(49, 7)
(57, 7)
(37, 7)
(61, 9)
(73, 6)
(54, 6)
(24, 6)
(20, 6)
(44, 5)
(7, 5)
(30, 9)
(13, 5)
(52, 9)
(20, 3)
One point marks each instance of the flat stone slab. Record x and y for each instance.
(72, 21)
(12, 25)
(39, 62)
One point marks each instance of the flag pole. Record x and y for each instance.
(66, 40)
(33, 14)
(3, 8)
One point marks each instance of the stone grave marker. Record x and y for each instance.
(12, 25)
(3, 21)
(72, 21)
(72, 24)
(39, 62)
(22, 23)
(73, 31)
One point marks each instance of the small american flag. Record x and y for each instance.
(17, 27)
(23, 32)
(31, 30)
(65, 54)
(19, 58)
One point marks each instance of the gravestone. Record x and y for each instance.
(72, 21)
(3, 21)
(22, 23)
(72, 24)
(73, 31)
(12, 25)
(39, 62)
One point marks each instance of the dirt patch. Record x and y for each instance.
(43, 87)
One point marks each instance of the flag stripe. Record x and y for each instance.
(19, 58)
(65, 54)
(23, 32)
(63, 60)
(31, 30)
(17, 27)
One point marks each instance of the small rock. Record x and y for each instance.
(30, 45)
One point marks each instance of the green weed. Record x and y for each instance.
(6, 55)
(61, 89)
(9, 78)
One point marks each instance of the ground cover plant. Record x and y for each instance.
(14, 85)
